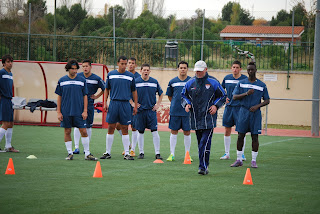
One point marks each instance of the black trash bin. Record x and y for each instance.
(171, 52)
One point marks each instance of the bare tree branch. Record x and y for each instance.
(130, 7)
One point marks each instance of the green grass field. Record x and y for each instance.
(287, 180)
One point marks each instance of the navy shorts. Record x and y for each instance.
(230, 116)
(89, 120)
(179, 122)
(6, 110)
(146, 119)
(119, 111)
(249, 121)
(73, 121)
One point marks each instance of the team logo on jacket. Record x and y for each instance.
(207, 86)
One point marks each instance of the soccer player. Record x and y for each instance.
(94, 82)
(146, 118)
(179, 118)
(6, 110)
(132, 64)
(249, 92)
(72, 104)
(120, 84)
(230, 115)
(203, 96)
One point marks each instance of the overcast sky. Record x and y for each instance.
(186, 8)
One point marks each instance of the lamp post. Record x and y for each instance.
(21, 13)
(193, 17)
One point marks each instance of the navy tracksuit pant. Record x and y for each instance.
(204, 137)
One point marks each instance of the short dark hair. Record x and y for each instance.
(252, 63)
(122, 57)
(145, 65)
(183, 62)
(70, 63)
(5, 57)
(133, 59)
(237, 63)
(87, 61)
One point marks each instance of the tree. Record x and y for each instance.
(77, 15)
(38, 9)
(260, 22)
(130, 8)
(235, 16)
(156, 7)
(9, 8)
(119, 15)
(244, 15)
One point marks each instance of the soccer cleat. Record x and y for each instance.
(90, 157)
(237, 163)
(105, 156)
(141, 156)
(254, 164)
(158, 156)
(128, 157)
(2, 150)
(170, 158)
(203, 172)
(11, 149)
(225, 157)
(69, 157)
(76, 151)
(243, 158)
(132, 153)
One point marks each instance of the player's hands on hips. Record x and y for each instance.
(213, 109)
(227, 100)
(253, 108)
(60, 117)
(155, 107)
(84, 115)
(251, 91)
(187, 108)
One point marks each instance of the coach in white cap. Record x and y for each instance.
(203, 96)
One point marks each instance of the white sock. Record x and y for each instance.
(76, 136)
(126, 143)
(173, 143)
(120, 132)
(8, 137)
(2, 132)
(109, 142)
(134, 140)
(244, 144)
(156, 142)
(141, 143)
(89, 131)
(187, 143)
(239, 155)
(254, 155)
(69, 147)
(227, 142)
(85, 143)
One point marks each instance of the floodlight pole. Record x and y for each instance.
(114, 39)
(316, 76)
(204, 11)
(29, 30)
(54, 33)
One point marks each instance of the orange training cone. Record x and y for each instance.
(10, 168)
(247, 178)
(97, 172)
(158, 161)
(187, 158)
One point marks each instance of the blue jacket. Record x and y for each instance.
(201, 94)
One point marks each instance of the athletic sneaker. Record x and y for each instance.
(225, 157)
(105, 156)
(69, 157)
(237, 163)
(76, 151)
(141, 156)
(132, 153)
(90, 157)
(243, 158)
(170, 158)
(11, 149)
(2, 150)
(254, 164)
(203, 172)
(128, 157)
(158, 156)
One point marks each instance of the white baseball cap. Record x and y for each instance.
(200, 66)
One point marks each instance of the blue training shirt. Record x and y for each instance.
(147, 91)
(229, 83)
(121, 85)
(6, 83)
(94, 82)
(174, 90)
(72, 92)
(260, 91)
